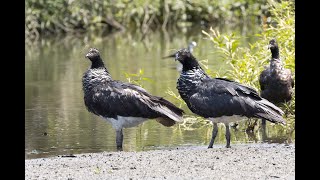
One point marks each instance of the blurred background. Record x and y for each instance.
(133, 36)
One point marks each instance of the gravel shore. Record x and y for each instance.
(241, 161)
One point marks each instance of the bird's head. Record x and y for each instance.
(181, 55)
(93, 54)
(185, 57)
(272, 44)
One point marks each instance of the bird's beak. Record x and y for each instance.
(87, 55)
(170, 56)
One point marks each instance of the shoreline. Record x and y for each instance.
(244, 161)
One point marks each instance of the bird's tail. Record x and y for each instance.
(270, 112)
(172, 113)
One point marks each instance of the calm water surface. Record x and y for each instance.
(57, 122)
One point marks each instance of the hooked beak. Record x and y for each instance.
(87, 55)
(269, 46)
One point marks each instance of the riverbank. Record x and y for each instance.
(241, 161)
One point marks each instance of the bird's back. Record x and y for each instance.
(220, 97)
(111, 99)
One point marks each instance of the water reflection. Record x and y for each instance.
(56, 120)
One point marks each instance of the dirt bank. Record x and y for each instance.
(241, 161)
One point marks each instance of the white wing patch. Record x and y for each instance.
(228, 119)
(125, 122)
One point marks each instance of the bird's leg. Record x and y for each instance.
(119, 139)
(228, 135)
(214, 134)
(264, 132)
(263, 122)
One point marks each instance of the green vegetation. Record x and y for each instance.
(137, 78)
(48, 17)
(246, 63)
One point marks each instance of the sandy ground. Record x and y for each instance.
(241, 161)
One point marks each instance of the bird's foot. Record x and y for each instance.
(228, 146)
(119, 148)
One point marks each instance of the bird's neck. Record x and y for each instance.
(190, 64)
(97, 63)
(196, 72)
(275, 53)
(276, 66)
(95, 77)
(275, 63)
(192, 69)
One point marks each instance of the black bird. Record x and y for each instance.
(219, 99)
(123, 104)
(276, 82)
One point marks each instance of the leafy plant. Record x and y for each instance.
(137, 78)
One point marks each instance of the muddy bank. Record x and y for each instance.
(244, 161)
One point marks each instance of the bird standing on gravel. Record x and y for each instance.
(276, 82)
(219, 99)
(123, 104)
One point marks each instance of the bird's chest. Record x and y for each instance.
(90, 80)
(186, 87)
(93, 78)
(188, 83)
(276, 69)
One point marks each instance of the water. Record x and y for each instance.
(57, 122)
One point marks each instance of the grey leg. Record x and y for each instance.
(119, 139)
(214, 134)
(263, 122)
(228, 135)
(264, 132)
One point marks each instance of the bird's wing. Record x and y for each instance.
(287, 77)
(129, 100)
(239, 87)
(217, 97)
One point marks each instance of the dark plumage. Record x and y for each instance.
(123, 104)
(219, 99)
(275, 81)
